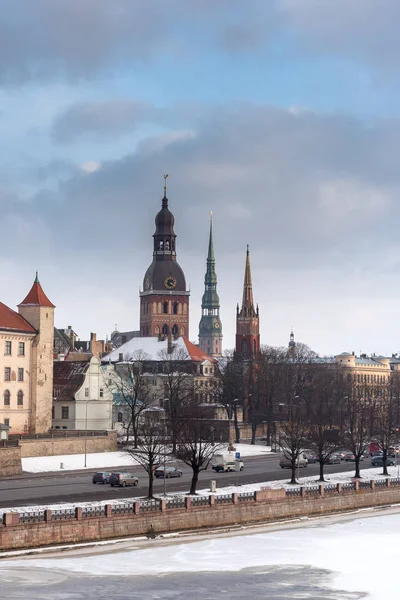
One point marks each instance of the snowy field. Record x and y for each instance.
(361, 556)
(104, 460)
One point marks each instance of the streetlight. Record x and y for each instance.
(87, 402)
(230, 405)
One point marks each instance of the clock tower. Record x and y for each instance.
(164, 301)
(210, 327)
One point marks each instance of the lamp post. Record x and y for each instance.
(86, 408)
(165, 452)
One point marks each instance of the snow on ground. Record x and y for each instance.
(362, 555)
(72, 462)
(103, 460)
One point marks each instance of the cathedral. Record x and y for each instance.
(164, 300)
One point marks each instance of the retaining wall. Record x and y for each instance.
(29, 530)
(10, 461)
(53, 446)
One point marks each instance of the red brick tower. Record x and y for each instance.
(247, 321)
(164, 301)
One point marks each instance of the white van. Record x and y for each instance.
(226, 463)
(286, 463)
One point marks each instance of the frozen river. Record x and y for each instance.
(272, 583)
(344, 558)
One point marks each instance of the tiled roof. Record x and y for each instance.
(12, 321)
(68, 377)
(152, 348)
(36, 296)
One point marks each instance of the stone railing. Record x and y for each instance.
(173, 503)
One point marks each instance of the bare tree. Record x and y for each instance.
(293, 436)
(196, 446)
(178, 387)
(359, 412)
(130, 385)
(385, 426)
(150, 448)
(323, 414)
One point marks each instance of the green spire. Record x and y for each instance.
(210, 257)
(37, 277)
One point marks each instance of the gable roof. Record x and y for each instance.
(12, 321)
(155, 349)
(68, 377)
(36, 296)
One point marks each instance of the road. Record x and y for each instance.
(78, 487)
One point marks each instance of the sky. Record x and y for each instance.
(280, 116)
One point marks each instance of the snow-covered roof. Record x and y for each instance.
(154, 348)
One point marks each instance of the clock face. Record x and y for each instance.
(170, 283)
(216, 325)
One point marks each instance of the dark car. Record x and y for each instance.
(123, 479)
(101, 477)
(333, 459)
(169, 472)
(312, 457)
(349, 457)
(377, 461)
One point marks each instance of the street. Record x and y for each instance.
(78, 487)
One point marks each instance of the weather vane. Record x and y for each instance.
(165, 182)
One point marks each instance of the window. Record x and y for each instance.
(175, 308)
(7, 349)
(65, 412)
(20, 398)
(7, 422)
(120, 419)
(165, 308)
(165, 330)
(53, 412)
(86, 392)
(175, 330)
(64, 427)
(6, 398)
(101, 393)
(20, 374)
(7, 374)
(21, 349)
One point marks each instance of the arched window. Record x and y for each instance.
(244, 347)
(165, 308)
(159, 308)
(167, 245)
(165, 329)
(157, 330)
(120, 417)
(6, 398)
(175, 330)
(175, 309)
(183, 331)
(185, 308)
(179, 308)
(154, 307)
(161, 245)
(20, 398)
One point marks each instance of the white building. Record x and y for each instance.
(81, 398)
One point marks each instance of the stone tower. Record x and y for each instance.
(247, 321)
(210, 327)
(164, 301)
(39, 312)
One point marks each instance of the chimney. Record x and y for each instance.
(61, 357)
(169, 348)
(120, 357)
(92, 337)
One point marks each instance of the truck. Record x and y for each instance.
(226, 463)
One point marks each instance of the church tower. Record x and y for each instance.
(39, 312)
(247, 321)
(164, 301)
(210, 327)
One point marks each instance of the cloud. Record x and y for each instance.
(91, 166)
(102, 120)
(314, 195)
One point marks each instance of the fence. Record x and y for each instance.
(139, 506)
(56, 434)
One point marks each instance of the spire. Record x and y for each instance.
(36, 296)
(165, 199)
(210, 257)
(247, 302)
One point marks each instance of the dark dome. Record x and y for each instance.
(165, 220)
(157, 273)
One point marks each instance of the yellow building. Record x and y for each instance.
(26, 363)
